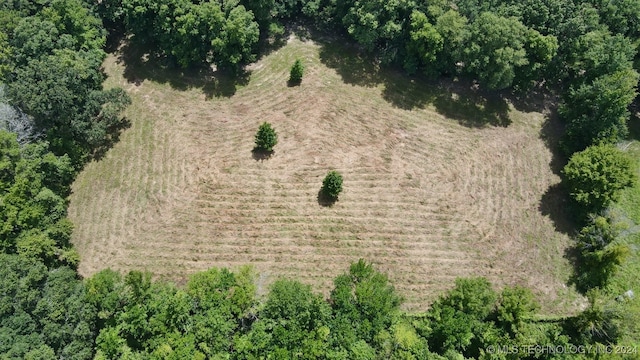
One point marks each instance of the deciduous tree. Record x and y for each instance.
(423, 46)
(457, 318)
(364, 304)
(595, 176)
(495, 50)
(597, 112)
(332, 184)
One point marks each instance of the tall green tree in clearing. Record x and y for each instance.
(266, 138)
(596, 175)
(332, 185)
(296, 72)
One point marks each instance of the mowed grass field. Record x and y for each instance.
(440, 182)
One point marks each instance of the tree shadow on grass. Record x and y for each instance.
(113, 136)
(353, 67)
(551, 134)
(293, 83)
(577, 278)
(461, 100)
(261, 155)
(143, 64)
(325, 200)
(472, 107)
(269, 43)
(555, 204)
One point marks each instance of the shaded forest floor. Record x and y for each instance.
(440, 180)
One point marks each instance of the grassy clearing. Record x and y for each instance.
(628, 277)
(440, 180)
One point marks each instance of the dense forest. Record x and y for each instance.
(55, 116)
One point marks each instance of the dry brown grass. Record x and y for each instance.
(426, 198)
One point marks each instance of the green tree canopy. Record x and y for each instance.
(597, 112)
(495, 50)
(377, 24)
(266, 137)
(298, 319)
(63, 92)
(453, 27)
(514, 307)
(43, 312)
(6, 53)
(595, 176)
(73, 18)
(620, 16)
(457, 318)
(599, 53)
(33, 185)
(296, 72)
(364, 304)
(332, 184)
(424, 45)
(235, 45)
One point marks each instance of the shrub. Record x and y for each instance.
(595, 176)
(598, 323)
(597, 234)
(276, 31)
(332, 184)
(600, 255)
(297, 70)
(266, 137)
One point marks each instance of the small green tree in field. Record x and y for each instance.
(297, 70)
(332, 185)
(266, 138)
(596, 175)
